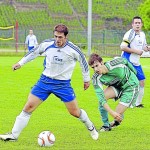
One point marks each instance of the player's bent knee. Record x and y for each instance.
(29, 108)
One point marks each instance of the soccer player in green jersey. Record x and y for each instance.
(120, 78)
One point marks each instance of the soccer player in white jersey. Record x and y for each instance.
(31, 41)
(61, 57)
(132, 46)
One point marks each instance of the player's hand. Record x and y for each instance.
(148, 48)
(139, 52)
(16, 66)
(86, 85)
(117, 116)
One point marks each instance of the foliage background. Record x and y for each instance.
(111, 19)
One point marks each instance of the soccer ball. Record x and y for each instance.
(46, 138)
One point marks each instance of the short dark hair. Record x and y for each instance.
(61, 28)
(136, 17)
(94, 57)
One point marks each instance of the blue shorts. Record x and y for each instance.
(30, 47)
(140, 74)
(60, 88)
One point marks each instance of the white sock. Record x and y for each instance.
(20, 123)
(85, 119)
(140, 96)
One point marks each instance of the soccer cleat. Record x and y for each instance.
(140, 106)
(94, 133)
(105, 128)
(114, 124)
(7, 137)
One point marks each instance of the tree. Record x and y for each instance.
(144, 10)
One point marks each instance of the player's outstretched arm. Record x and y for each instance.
(114, 114)
(16, 66)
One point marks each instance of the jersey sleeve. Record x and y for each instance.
(35, 52)
(83, 63)
(128, 37)
(98, 87)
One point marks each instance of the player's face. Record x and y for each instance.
(97, 67)
(60, 39)
(31, 32)
(137, 25)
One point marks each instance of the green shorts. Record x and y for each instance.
(127, 96)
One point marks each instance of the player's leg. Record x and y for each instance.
(127, 99)
(38, 94)
(109, 92)
(75, 111)
(65, 92)
(119, 109)
(141, 77)
(141, 94)
(22, 119)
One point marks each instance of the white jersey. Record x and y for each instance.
(31, 40)
(59, 61)
(134, 41)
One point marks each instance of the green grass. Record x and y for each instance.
(133, 134)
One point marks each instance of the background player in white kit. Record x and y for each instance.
(31, 41)
(61, 57)
(133, 45)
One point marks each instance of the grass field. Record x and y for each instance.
(133, 134)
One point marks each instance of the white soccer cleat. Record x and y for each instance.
(7, 137)
(94, 133)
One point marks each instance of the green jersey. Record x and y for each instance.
(121, 75)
